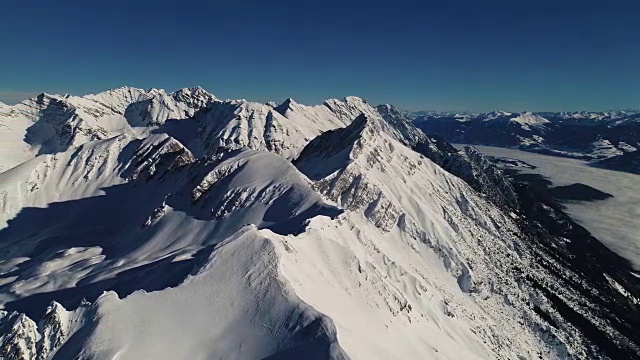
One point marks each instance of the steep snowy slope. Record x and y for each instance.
(138, 206)
(467, 164)
(399, 191)
(236, 306)
(365, 170)
(212, 315)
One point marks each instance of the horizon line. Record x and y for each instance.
(12, 98)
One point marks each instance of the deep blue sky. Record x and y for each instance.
(459, 55)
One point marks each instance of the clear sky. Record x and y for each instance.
(419, 55)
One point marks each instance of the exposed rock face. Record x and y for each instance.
(484, 176)
(582, 267)
(54, 328)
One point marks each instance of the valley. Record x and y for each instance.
(614, 220)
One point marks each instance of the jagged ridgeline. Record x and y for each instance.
(145, 224)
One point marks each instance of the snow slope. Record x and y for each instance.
(214, 314)
(115, 194)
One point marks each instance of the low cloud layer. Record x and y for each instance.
(613, 221)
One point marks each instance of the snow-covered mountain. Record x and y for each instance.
(283, 129)
(50, 124)
(591, 136)
(143, 224)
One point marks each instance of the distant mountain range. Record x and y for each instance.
(583, 135)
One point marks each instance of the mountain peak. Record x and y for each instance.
(365, 123)
(44, 95)
(124, 88)
(195, 90)
(355, 100)
(338, 147)
(197, 96)
(286, 105)
(528, 118)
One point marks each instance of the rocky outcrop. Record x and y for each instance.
(482, 175)
(18, 336)
(157, 154)
(22, 339)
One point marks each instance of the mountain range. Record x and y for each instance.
(591, 136)
(147, 224)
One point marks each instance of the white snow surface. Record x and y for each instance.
(364, 250)
(237, 306)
